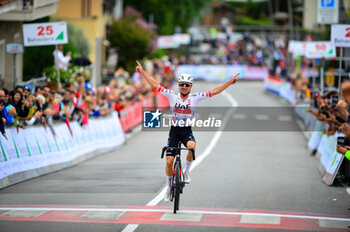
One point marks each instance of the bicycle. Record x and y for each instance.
(177, 183)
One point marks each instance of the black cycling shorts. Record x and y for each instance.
(176, 134)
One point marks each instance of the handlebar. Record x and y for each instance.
(176, 149)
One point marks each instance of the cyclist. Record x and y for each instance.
(182, 107)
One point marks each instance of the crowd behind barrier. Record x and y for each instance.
(325, 120)
(49, 125)
(247, 50)
(253, 56)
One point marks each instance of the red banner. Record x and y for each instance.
(131, 116)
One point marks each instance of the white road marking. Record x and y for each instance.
(239, 116)
(348, 190)
(130, 228)
(200, 157)
(333, 224)
(260, 219)
(261, 117)
(170, 211)
(285, 118)
(185, 217)
(112, 215)
(24, 213)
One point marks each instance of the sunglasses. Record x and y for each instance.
(185, 85)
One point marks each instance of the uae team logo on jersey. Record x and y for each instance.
(152, 119)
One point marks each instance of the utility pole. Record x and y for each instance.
(271, 15)
(290, 17)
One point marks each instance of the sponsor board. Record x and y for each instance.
(39, 34)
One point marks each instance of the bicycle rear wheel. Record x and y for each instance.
(177, 187)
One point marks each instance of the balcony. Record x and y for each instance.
(26, 10)
(6, 6)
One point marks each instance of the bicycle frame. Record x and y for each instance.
(177, 181)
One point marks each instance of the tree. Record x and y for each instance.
(169, 14)
(132, 37)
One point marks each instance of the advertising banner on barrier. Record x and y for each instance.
(273, 85)
(330, 159)
(316, 136)
(222, 73)
(36, 147)
(131, 115)
(326, 145)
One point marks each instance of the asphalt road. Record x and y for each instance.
(255, 180)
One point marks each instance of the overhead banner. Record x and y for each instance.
(327, 11)
(223, 73)
(340, 35)
(40, 34)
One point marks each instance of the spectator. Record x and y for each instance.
(17, 102)
(38, 91)
(2, 95)
(61, 61)
(2, 119)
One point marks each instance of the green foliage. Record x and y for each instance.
(169, 14)
(255, 10)
(131, 40)
(78, 43)
(245, 20)
(251, 13)
(317, 34)
(36, 59)
(66, 76)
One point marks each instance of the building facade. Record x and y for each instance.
(12, 15)
(87, 15)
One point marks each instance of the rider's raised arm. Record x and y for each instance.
(222, 87)
(153, 82)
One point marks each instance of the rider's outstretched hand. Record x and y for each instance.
(139, 68)
(234, 79)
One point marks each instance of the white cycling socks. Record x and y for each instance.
(168, 180)
(188, 166)
(187, 169)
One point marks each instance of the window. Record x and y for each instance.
(85, 8)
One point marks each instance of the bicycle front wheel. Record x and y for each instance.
(177, 187)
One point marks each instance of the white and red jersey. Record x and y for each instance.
(183, 110)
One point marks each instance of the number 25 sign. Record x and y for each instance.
(340, 35)
(39, 34)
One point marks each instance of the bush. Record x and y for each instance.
(132, 38)
(66, 76)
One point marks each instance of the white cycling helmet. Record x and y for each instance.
(185, 78)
